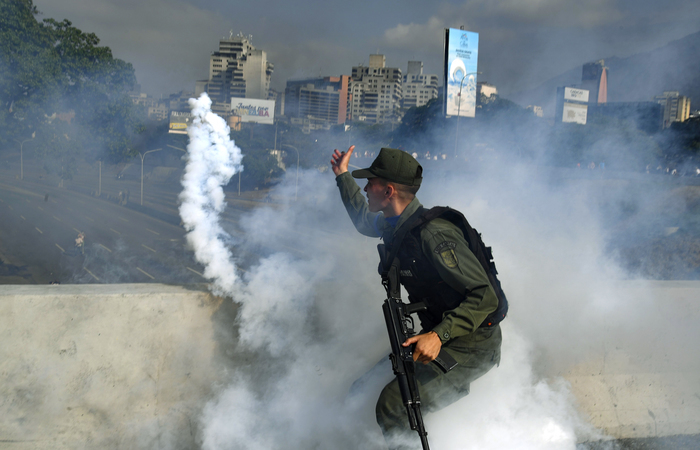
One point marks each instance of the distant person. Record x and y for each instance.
(46, 197)
(120, 197)
(126, 197)
(80, 243)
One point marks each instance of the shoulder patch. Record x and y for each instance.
(446, 251)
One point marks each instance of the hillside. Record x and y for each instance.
(673, 67)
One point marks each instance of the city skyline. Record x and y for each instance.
(169, 42)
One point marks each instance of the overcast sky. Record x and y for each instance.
(521, 42)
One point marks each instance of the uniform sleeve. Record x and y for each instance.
(445, 246)
(368, 223)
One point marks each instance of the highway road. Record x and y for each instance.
(122, 245)
(37, 240)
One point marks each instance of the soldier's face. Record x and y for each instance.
(377, 197)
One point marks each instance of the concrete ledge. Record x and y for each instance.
(640, 405)
(644, 380)
(105, 366)
(132, 365)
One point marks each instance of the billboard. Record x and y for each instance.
(575, 112)
(461, 57)
(179, 121)
(253, 110)
(577, 95)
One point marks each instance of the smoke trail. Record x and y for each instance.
(266, 404)
(212, 159)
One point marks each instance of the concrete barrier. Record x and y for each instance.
(645, 381)
(131, 366)
(107, 366)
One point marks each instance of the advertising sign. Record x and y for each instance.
(577, 95)
(574, 112)
(461, 57)
(253, 110)
(179, 121)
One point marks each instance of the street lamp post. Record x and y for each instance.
(142, 158)
(21, 155)
(459, 106)
(176, 148)
(296, 185)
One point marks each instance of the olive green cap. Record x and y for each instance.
(393, 165)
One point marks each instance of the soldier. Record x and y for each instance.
(438, 268)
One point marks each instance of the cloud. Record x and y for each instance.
(523, 42)
(416, 37)
(163, 39)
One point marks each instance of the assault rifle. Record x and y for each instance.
(399, 324)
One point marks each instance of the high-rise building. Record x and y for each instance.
(237, 70)
(676, 107)
(376, 92)
(319, 101)
(486, 89)
(594, 79)
(418, 89)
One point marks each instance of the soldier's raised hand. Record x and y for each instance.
(340, 160)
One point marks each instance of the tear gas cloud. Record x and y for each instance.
(313, 315)
(212, 161)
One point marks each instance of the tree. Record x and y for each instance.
(52, 67)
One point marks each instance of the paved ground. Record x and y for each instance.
(691, 442)
(40, 221)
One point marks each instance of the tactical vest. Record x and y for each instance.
(423, 282)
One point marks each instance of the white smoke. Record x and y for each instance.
(310, 309)
(212, 160)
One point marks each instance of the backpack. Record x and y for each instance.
(476, 245)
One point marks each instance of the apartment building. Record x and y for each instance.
(237, 69)
(376, 92)
(319, 102)
(418, 88)
(676, 107)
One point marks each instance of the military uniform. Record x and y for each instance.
(459, 298)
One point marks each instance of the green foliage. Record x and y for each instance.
(681, 141)
(422, 127)
(52, 67)
(260, 169)
(59, 147)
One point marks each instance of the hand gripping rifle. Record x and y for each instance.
(399, 324)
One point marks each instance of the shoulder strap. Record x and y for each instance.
(416, 219)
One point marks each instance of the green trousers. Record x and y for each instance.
(475, 354)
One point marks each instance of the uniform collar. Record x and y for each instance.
(408, 212)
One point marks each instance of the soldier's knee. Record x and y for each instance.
(390, 410)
